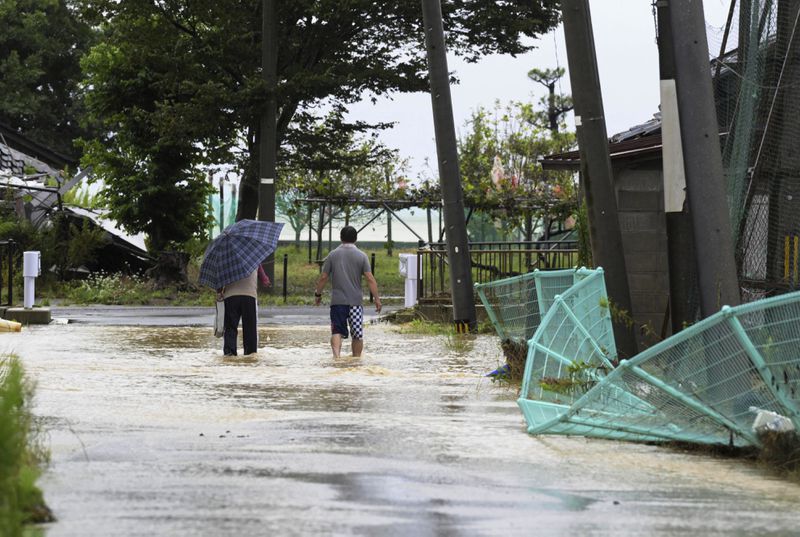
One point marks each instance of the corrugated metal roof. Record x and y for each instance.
(111, 227)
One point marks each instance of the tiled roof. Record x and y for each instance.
(648, 128)
(9, 162)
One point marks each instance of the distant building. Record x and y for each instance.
(28, 172)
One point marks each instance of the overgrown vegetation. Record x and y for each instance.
(581, 377)
(781, 452)
(412, 321)
(21, 455)
(516, 353)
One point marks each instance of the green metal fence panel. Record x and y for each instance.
(516, 305)
(703, 385)
(706, 384)
(574, 345)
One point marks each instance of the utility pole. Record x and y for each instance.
(596, 174)
(711, 225)
(268, 143)
(221, 204)
(680, 246)
(464, 315)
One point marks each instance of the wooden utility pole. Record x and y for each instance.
(596, 174)
(680, 244)
(268, 142)
(702, 157)
(464, 315)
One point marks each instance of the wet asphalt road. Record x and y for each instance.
(152, 432)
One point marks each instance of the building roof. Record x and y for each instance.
(11, 138)
(643, 140)
(643, 146)
(9, 163)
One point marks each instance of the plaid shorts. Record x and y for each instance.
(342, 316)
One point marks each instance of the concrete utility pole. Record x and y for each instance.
(268, 143)
(449, 175)
(680, 246)
(711, 225)
(596, 174)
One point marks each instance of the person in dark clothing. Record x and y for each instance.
(241, 304)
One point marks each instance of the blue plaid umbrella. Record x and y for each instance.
(238, 251)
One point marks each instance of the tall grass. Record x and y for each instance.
(21, 457)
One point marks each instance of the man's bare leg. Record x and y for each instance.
(336, 344)
(358, 346)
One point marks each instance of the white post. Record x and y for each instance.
(31, 268)
(408, 268)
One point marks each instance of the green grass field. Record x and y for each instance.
(302, 276)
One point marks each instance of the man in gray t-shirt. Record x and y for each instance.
(344, 267)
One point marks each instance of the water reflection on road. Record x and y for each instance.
(153, 433)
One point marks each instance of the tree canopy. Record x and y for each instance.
(41, 43)
(186, 76)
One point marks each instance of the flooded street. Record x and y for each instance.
(152, 433)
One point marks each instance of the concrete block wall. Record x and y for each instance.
(640, 203)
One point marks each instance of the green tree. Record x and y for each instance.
(41, 43)
(330, 161)
(150, 162)
(186, 75)
(554, 105)
(503, 180)
(286, 207)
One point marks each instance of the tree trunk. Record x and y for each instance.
(389, 242)
(248, 189)
(170, 269)
(320, 230)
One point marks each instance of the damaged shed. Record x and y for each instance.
(28, 172)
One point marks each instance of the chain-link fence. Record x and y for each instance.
(757, 86)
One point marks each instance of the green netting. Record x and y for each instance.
(222, 216)
(516, 305)
(757, 86)
(706, 384)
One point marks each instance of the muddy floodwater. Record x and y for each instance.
(153, 433)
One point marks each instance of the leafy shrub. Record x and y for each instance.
(21, 457)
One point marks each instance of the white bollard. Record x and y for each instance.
(408, 268)
(31, 268)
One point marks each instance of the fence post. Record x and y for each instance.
(10, 247)
(372, 269)
(7, 246)
(285, 275)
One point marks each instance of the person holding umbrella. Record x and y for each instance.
(231, 267)
(241, 305)
(345, 266)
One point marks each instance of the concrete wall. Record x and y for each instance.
(640, 202)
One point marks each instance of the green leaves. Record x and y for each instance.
(41, 43)
(501, 174)
(177, 86)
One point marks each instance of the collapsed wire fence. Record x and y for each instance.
(705, 385)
